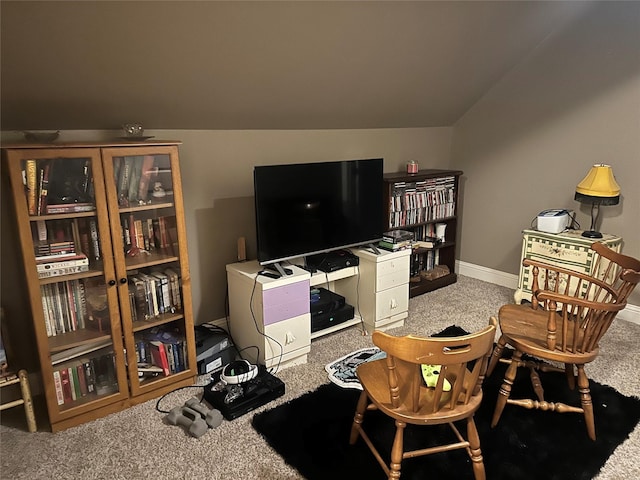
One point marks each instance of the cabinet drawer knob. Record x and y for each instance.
(123, 280)
(112, 283)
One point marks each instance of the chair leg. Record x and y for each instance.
(358, 417)
(497, 354)
(477, 461)
(397, 451)
(505, 388)
(586, 402)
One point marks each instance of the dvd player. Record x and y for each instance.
(255, 393)
(328, 319)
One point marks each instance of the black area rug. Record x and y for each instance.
(312, 434)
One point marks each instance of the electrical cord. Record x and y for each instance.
(273, 371)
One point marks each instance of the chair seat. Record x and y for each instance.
(374, 376)
(527, 331)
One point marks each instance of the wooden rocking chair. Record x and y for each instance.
(568, 315)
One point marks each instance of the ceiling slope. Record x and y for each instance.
(260, 65)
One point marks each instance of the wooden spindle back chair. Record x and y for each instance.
(564, 323)
(395, 386)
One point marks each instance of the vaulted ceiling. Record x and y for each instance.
(263, 64)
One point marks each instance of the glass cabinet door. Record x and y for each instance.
(63, 223)
(149, 243)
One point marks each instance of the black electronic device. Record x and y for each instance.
(332, 261)
(213, 348)
(248, 396)
(308, 208)
(324, 301)
(321, 321)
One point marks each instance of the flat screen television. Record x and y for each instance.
(310, 208)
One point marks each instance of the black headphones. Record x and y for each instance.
(238, 371)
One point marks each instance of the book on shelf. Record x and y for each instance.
(57, 382)
(159, 356)
(43, 191)
(148, 370)
(75, 382)
(70, 207)
(66, 386)
(174, 284)
(32, 185)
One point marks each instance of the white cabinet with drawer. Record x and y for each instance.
(383, 288)
(269, 318)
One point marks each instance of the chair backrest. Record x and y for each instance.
(462, 361)
(621, 272)
(583, 307)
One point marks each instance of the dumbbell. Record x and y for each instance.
(212, 416)
(189, 419)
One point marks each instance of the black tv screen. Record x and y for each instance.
(309, 208)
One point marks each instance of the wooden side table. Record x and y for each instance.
(568, 249)
(23, 380)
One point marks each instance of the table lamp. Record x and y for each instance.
(599, 187)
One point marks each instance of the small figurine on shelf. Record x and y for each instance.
(158, 190)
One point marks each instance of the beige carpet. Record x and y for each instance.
(135, 444)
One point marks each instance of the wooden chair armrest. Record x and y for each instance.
(553, 297)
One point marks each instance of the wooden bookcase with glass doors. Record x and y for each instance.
(102, 233)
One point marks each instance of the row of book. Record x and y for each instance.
(167, 357)
(149, 234)
(134, 176)
(154, 293)
(61, 185)
(421, 201)
(75, 305)
(162, 347)
(405, 218)
(423, 260)
(95, 375)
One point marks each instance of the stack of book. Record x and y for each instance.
(395, 240)
(61, 264)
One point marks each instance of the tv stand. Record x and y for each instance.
(273, 314)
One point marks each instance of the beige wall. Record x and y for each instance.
(527, 143)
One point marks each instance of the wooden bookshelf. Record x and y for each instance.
(421, 203)
(127, 223)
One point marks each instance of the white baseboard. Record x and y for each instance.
(631, 313)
